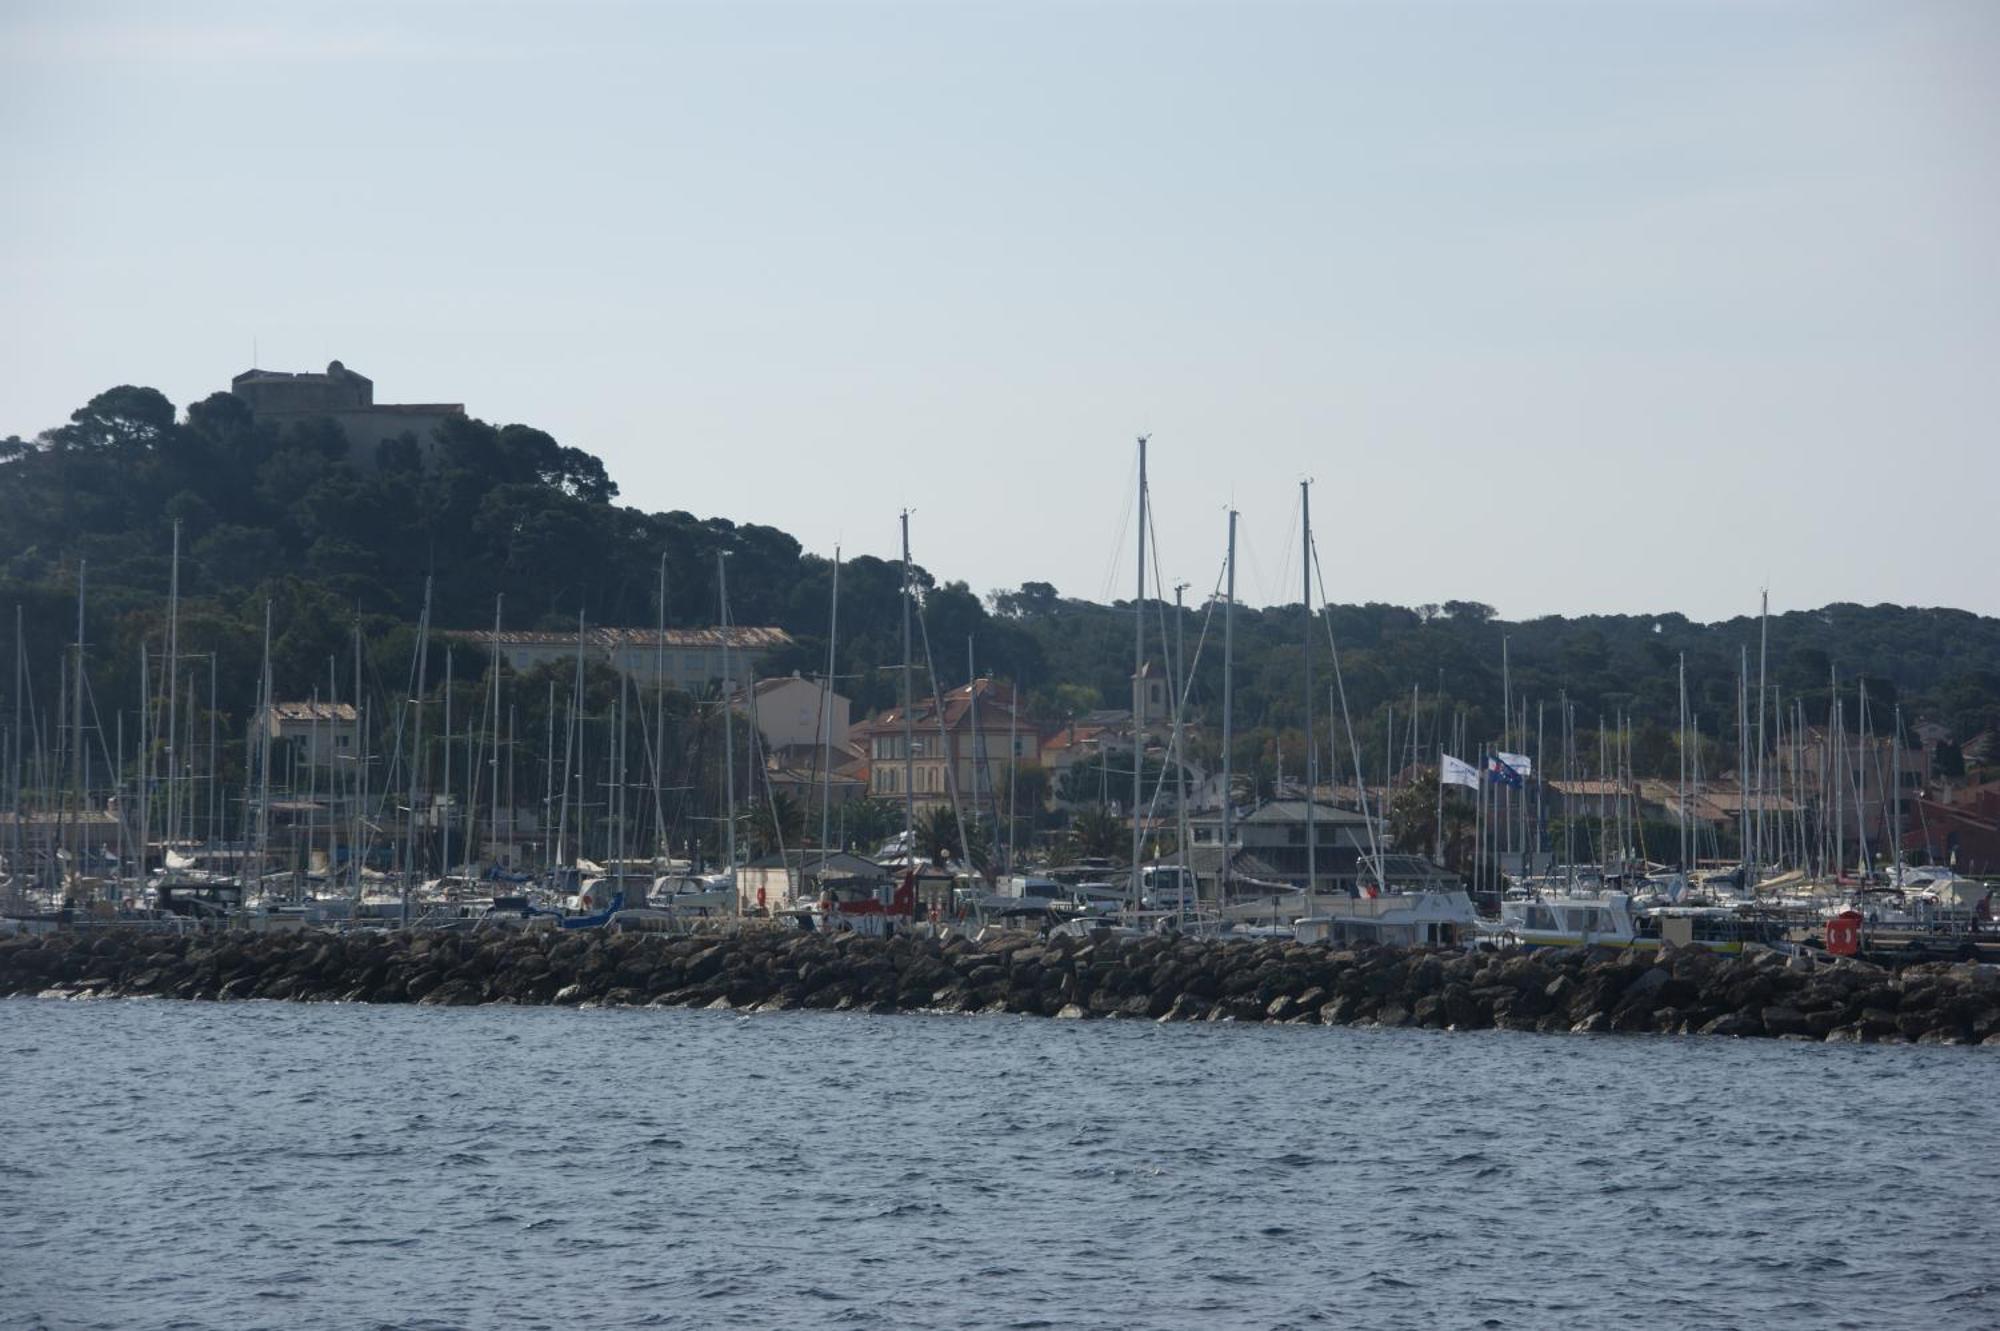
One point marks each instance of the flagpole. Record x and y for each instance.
(1479, 832)
(1440, 807)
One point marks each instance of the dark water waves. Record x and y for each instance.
(269, 1165)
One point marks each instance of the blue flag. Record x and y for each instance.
(1500, 774)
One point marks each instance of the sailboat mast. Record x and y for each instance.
(1836, 773)
(76, 722)
(332, 766)
(173, 679)
(660, 847)
(1893, 802)
(569, 748)
(976, 737)
(214, 777)
(145, 773)
(416, 746)
(1228, 719)
(549, 777)
(621, 724)
(1138, 669)
(1312, 749)
(826, 716)
(1863, 862)
(728, 733)
(1013, 761)
(1683, 747)
(18, 863)
(264, 753)
(496, 665)
(1763, 655)
(357, 852)
(1179, 683)
(1743, 760)
(909, 722)
(1504, 794)
(445, 808)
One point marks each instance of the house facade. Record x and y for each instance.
(325, 733)
(793, 712)
(949, 748)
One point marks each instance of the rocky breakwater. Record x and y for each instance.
(1161, 978)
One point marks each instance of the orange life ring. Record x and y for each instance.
(1843, 934)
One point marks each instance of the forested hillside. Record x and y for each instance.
(282, 516)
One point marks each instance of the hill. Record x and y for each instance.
(284, 516)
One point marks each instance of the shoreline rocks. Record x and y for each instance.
(1159, 978)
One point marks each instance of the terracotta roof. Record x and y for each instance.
(996, 701)
(313, 711)
(741, 637)
(1592, 787)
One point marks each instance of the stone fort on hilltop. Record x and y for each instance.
(281, 398)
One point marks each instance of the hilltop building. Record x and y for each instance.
(281, 398)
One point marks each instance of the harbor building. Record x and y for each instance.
(1275, 833)
(685, 659)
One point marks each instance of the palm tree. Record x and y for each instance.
(937, 838)
(1097, 832)
(776, 821)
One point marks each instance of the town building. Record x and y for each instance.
(795, 712)
(685, 659)
(947, 753)
(783, 882)
(1079, 758)
(1275, 835)
(322, 734)
(805, 773)
(282, 398)
(1959, 827)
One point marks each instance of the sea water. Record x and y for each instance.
(181, 1165)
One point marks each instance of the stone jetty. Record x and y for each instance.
(1157, 978)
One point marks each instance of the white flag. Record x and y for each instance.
(1518, 762)
(1452, 772)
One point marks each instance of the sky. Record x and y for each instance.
(1567, 308)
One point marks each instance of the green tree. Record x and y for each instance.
(1097, 833)
(937, 839)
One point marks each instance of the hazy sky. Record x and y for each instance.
(1565, 307)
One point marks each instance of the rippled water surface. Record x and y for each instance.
(271, 1165)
